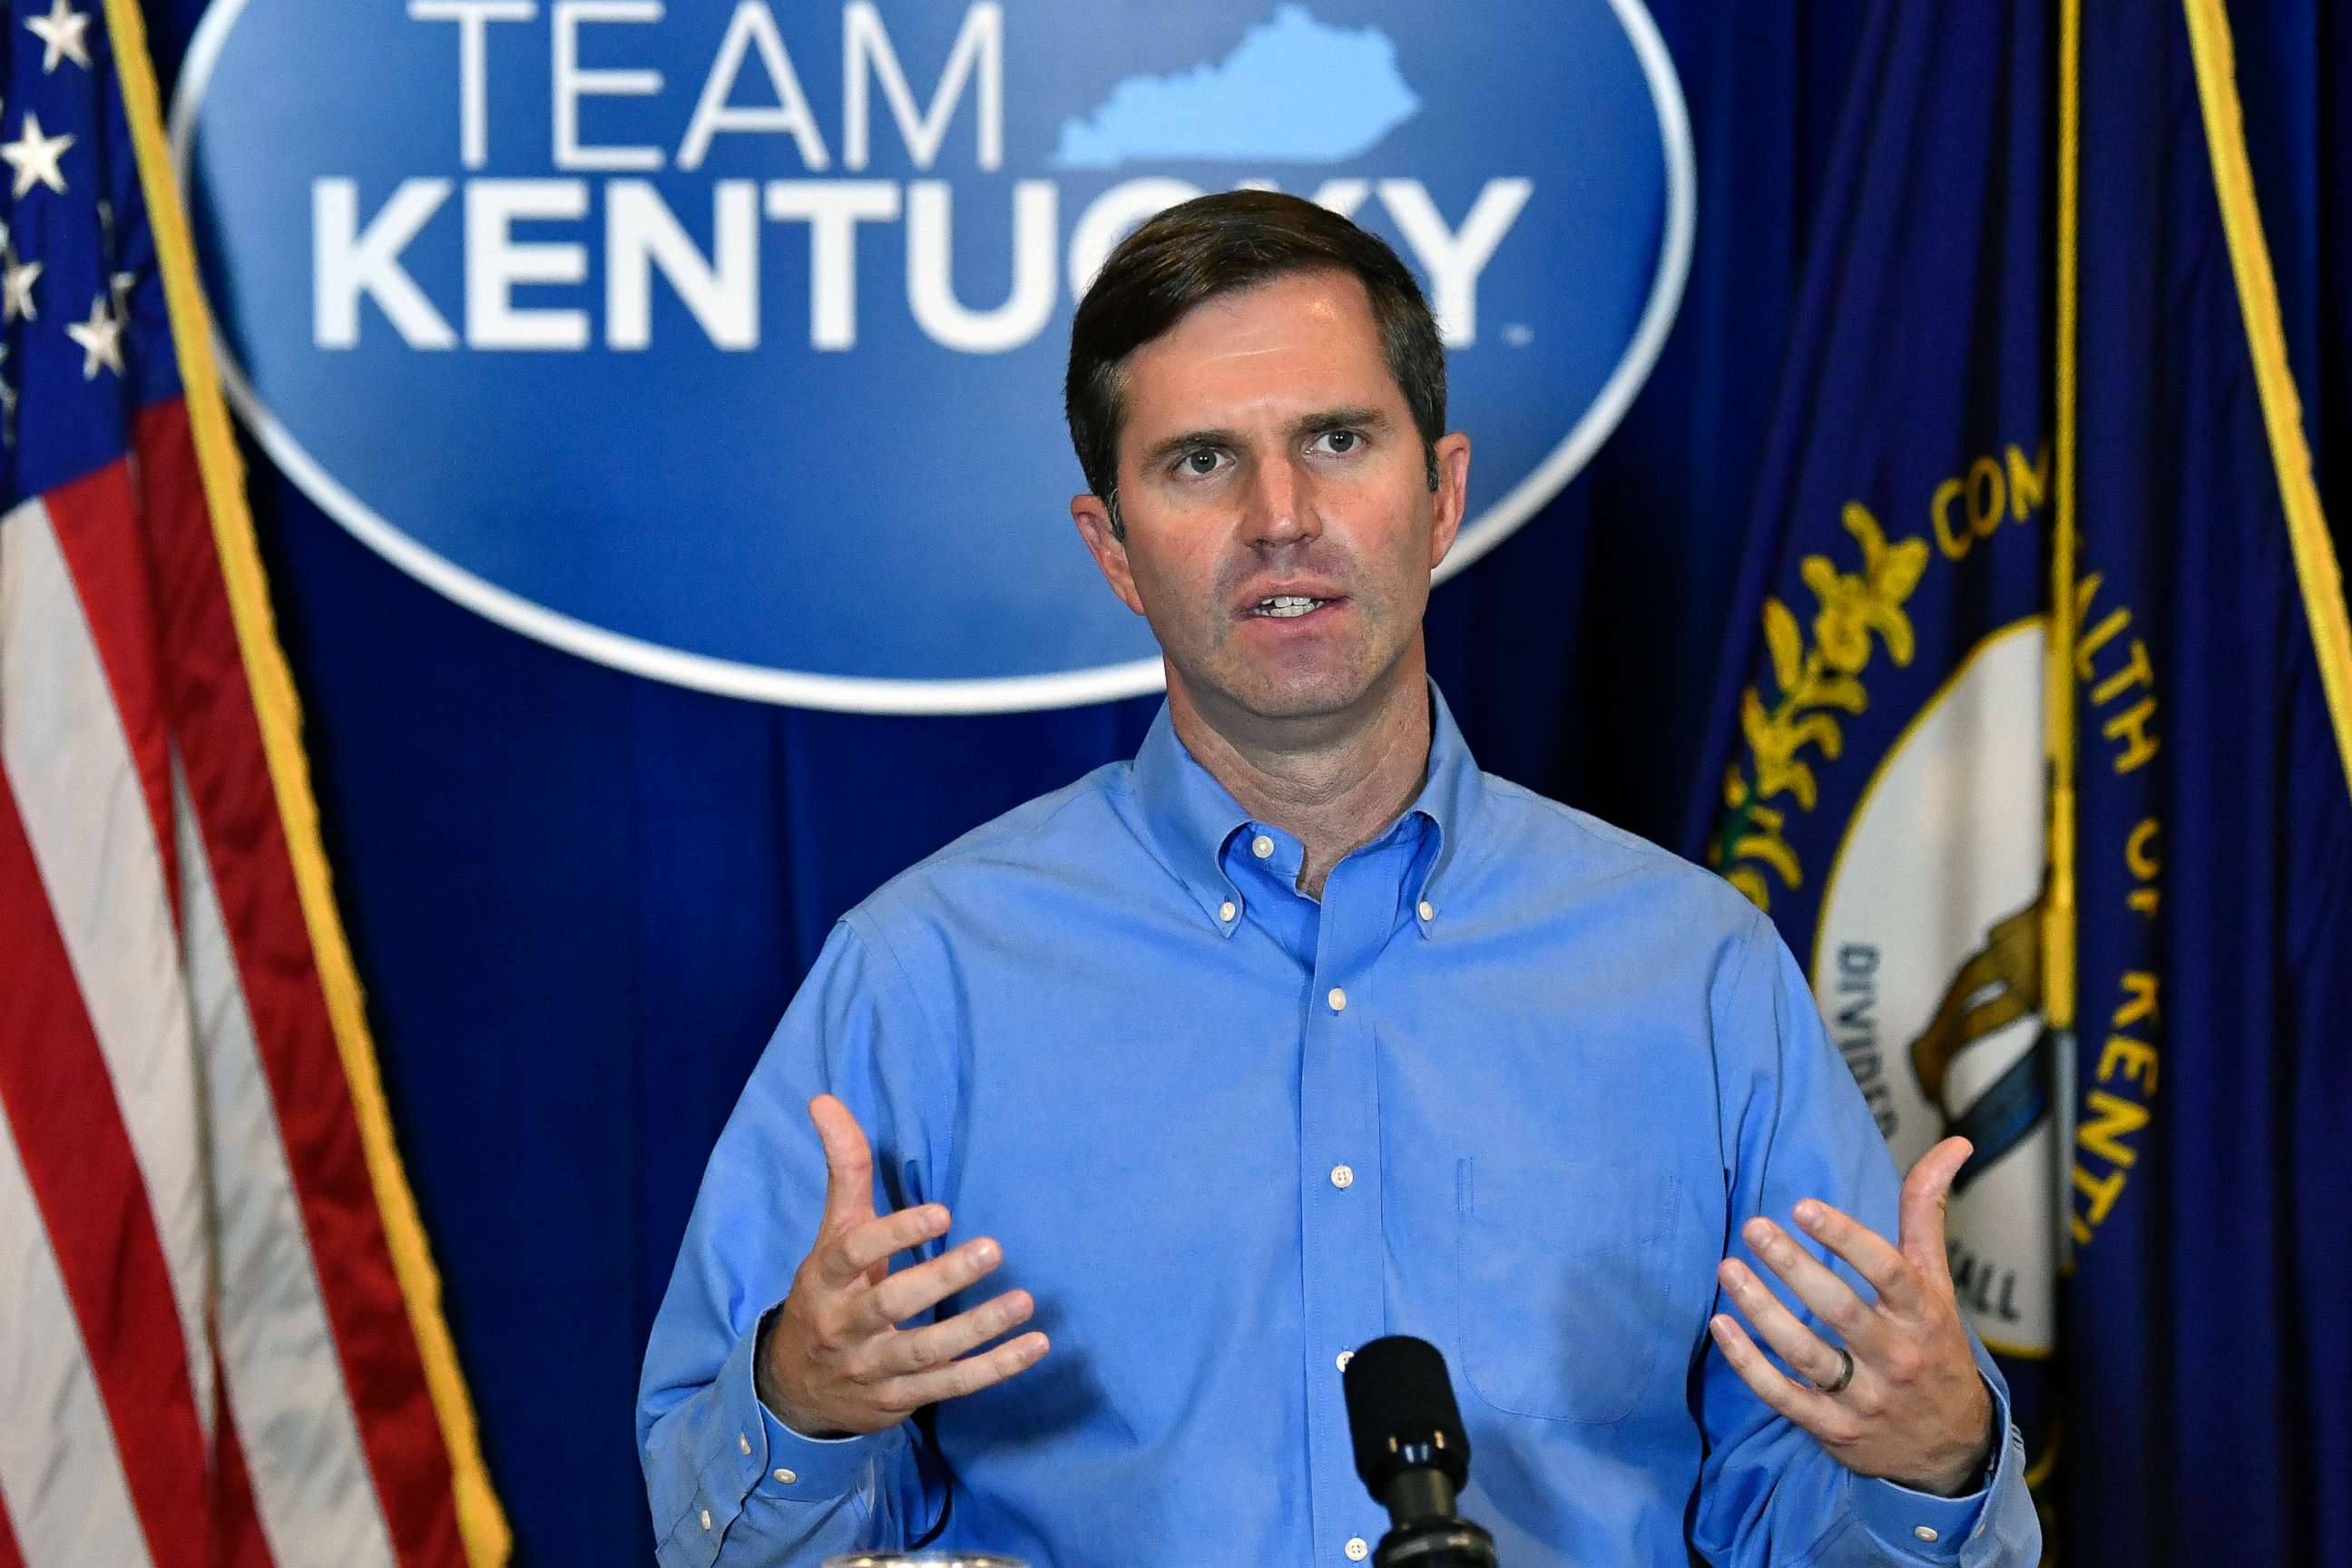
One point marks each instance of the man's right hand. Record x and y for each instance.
(832, 1361)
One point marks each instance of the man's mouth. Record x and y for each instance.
(1287, 606)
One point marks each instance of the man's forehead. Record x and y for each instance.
(1282, 348)
(1322, 304)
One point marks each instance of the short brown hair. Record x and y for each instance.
(1222, 244)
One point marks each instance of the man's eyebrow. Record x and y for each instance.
(1342, 419)
(1162, 450)
(1310, 425)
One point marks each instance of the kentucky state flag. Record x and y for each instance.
(1885, 796)
(2072, 870)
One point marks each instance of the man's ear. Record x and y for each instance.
(1453, 498)
(1093, 517)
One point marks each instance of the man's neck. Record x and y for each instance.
(1334, 786)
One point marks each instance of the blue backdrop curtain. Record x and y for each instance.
(580, 900)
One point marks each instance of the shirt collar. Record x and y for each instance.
(1188, 817)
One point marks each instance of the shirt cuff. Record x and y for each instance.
(783, 1464)
(1923, 1528)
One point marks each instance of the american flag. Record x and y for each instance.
(220, 1336)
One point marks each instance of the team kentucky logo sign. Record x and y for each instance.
(723, 343)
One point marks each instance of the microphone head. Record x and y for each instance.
(1401, 1414)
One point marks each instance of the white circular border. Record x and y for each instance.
(1005, 694)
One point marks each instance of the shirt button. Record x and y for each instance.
(1925, 1531)
(1226, 911)
(1344, 1357)
(785, 1477)
(705, 1518)
(1260, 847)
(743, 1441)
(1339, 1000)
(1343, 1177)
(1357, 1549)
(1428, 911)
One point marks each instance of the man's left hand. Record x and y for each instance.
(1915, 1409)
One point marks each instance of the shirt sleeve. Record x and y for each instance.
(729, 1484)
(1795, 1126)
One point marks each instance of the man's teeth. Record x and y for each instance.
(1285, 605)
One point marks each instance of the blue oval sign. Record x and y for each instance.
(725, 344)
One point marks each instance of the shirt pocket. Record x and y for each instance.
(1565, 1279)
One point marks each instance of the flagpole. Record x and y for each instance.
(2058, 938)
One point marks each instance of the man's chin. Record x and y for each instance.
(1300, 686)
(1297, 695)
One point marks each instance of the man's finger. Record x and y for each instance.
(1797, 1345)
(1872, 1254)
(1830, 1298)
(1924, 1194)
(866, 1243)
(1808, 1407)
(848, 1163)
(971, 1374)
(925, 1349)
(921, 1288)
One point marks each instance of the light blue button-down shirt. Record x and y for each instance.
(1510, 1085)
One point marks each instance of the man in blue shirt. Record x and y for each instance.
(1296, 1031)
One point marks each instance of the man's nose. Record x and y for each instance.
(1281, 505)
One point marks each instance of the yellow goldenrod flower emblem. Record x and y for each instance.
(1815, 684)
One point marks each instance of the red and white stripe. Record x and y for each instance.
(205, 1354)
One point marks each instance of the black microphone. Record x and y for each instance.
(1412, 1454)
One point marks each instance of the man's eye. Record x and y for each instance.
(1343, 442)
(1200, 461)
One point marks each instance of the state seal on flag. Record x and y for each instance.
(1927, 966)
(1899, 818)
